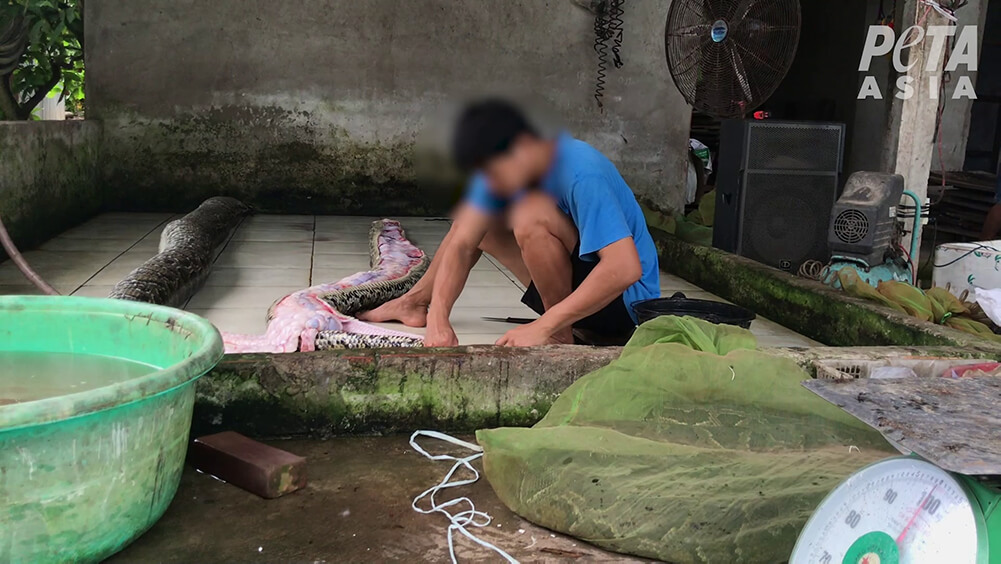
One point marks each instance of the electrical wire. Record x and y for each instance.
(22, 265)
(948, 13)
(601, 48)
(966, 254)
(887, 19)
(812, 270)
(607, 26)
(615, 30)
(910, 264)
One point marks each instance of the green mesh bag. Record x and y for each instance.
(853, 285)
(912, 299)
(937, 305)
(945, 305)
(691, 447)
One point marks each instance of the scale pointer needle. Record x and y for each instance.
(921, 506)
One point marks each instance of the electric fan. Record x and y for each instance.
(728, 56)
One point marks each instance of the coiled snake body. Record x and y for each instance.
(187, 248)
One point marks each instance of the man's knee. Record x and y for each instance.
(531, 218)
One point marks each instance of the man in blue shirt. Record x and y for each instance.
(557, 214)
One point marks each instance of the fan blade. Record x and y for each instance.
(758, 27)
(703, 14)
(778, 68)
(740, 10)
(693, 59)
(692, 31)
(740, 72)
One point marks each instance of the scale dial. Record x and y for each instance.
(900, 510)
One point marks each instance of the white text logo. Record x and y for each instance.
(883, 41)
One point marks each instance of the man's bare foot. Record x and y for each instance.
(402, 309)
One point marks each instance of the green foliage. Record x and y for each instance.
(52, 62)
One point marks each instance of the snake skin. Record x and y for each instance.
(364, 297)
(320, 317)
(187, 248)
(328, 340)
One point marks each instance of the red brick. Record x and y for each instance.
(256, 467)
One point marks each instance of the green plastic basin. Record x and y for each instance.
(84, 474)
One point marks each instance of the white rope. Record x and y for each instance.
(469, 517)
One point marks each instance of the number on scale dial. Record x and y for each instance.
(901, 510)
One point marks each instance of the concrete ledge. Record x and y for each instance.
(389, 390)
(400, 390)
(810, 308)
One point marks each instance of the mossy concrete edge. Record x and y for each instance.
(808, 307)
(457, 390)
(390, 390)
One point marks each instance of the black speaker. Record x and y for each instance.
(775, 188)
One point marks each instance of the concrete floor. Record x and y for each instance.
(270, 256)
(356, 508)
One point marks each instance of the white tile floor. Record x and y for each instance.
(269, 257)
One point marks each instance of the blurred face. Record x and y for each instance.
(509, 173)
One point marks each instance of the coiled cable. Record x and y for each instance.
(812, 270)
(607, 26)
(601, 48)
(615, 30)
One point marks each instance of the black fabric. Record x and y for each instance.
(611, 321)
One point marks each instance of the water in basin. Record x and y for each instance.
(30, 376)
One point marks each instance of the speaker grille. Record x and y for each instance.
(851, 226)
(785, 218)
(790, 146)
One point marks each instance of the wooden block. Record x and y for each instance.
(256, 467)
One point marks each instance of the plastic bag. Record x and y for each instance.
(691, 447)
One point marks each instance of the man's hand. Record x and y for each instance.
(456, 260)
(529, 335)
(440, 335)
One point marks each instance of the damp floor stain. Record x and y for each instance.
(356, 508)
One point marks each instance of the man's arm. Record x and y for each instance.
(457, 260)
(619, 268)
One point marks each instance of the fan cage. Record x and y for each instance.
(734, 76)
(851, 226)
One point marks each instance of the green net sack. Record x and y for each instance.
(945, 305)
(937, 305)
(691, 447)
(912, 299)
(854, 286)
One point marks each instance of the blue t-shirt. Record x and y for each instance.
(588, 188)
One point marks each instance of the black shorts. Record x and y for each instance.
(612, 321)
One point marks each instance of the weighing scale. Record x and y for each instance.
(904, 510)
(907, 509)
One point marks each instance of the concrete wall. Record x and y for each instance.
(872, 116)
(48, 177)
(956, 114)
(317, 105)
(873, 137)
